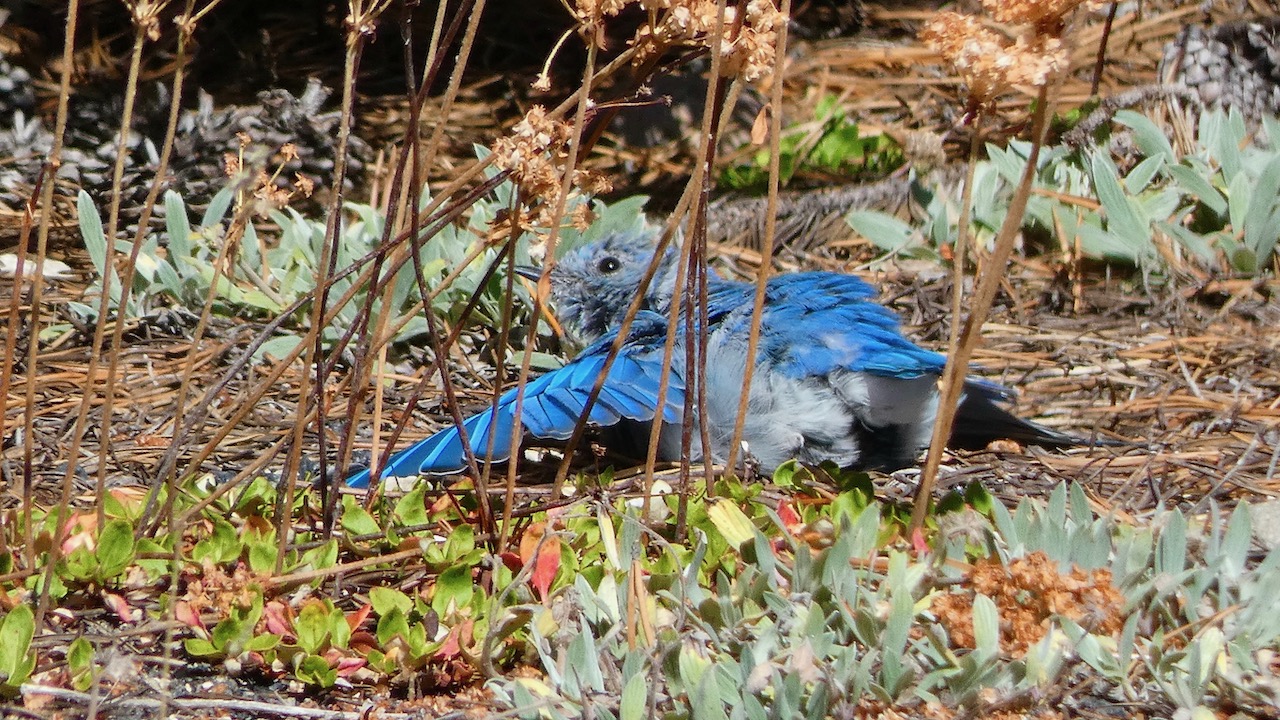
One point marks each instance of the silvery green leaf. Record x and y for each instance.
(1124, 216)
(95, 240)
(1096, 242)
(1171, 552)
(1006, 528)
(1259, 235)
(1220, 138)
(1140, 176)
(1196, 184)
(986, 627)
(706, 703)
(1196, 243)
(177, 225)
(1080, 511)
(585, 660)
(634, 704)
(1238, 197)
(217, 208)
(1151, 139)
(169, 279)
(277, 348)
(1056, 511)
(884, 231)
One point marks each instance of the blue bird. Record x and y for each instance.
(834, 378)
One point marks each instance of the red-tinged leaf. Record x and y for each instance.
(530, 539)
(279, 619)
(790, 518)
(512, 561)
(546, 566)
(356, 618)
(452, 646)
(918, 542)
(350, 666)
(362, 641)
(187, 615)
(118, 605)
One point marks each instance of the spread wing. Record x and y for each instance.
(554, 402)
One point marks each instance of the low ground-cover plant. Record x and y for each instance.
(827, 146)
(813, 605)
(267, 271)
(823, 618)
(1214, 207)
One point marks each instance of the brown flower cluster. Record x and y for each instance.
(268, 191)
(991, 63)
(536, 151)
(1029, 593)
(1046, 16)
(748, 44)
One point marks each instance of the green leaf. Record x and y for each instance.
(339, 630)
(454, 590)
(221, 546)
(199, 647)
(356, 520)
(412, 508)
(262, 555)
(733, 524)
(80, 661)
(321, 557)
(385, 599)
(16, 658)
(115, 549)
(312, 627)
(315, 670)
(392, 625)
(261, 643)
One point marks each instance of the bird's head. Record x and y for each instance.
(593, 285)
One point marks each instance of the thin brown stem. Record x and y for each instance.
(953, 376)
(770, 228)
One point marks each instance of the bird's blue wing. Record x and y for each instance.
(553, 403)
(816, 323)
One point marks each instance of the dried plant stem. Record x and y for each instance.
(77, 432)
(696, 331)
(544, 289)
(766, 249)
(186, 28)
(49, 174)
(360, 21)
(419, 171)
(953, 376)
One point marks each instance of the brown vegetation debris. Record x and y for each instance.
(1028, 594)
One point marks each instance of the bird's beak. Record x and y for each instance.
(534, 273)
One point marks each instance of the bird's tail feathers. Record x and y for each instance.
(981, 419)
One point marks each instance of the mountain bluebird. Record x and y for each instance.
(834, 377)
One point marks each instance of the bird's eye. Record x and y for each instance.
(609, 265)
